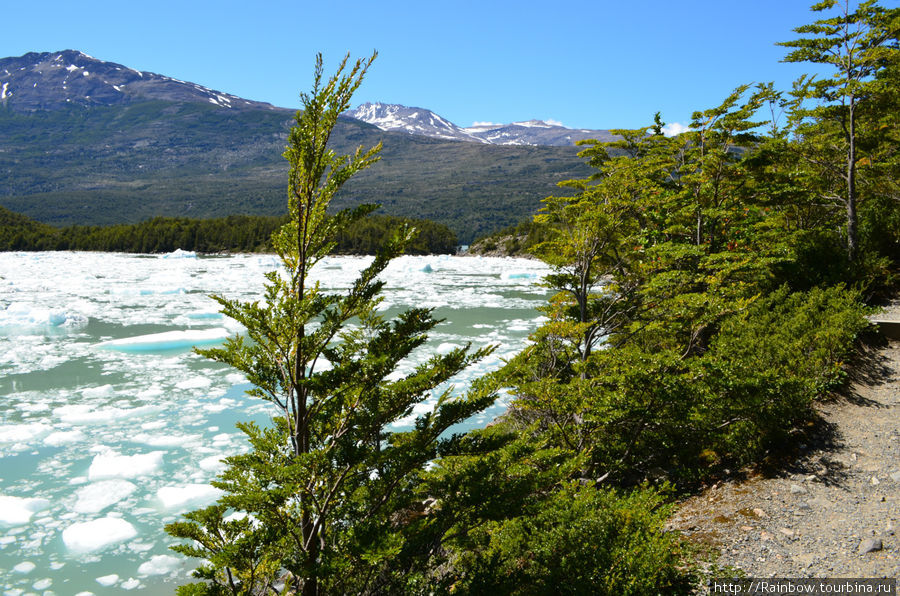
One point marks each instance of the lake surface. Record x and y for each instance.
(105, 438)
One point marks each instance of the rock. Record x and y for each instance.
(895, 476)
(875, 481)
(870, 545)
(796, 489)
(759, 512)
(786, 531)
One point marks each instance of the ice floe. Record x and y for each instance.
(160, 565)
(97, 496)
(187, 495)
(168, 340)
(15, 511)
(94, 535)
(111, 464)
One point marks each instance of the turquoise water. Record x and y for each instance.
(110, 427)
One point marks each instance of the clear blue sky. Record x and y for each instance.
(587, 64)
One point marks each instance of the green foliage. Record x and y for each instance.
(669, 259)
(842, 136)
(329, 492)
(580, 540)
(235, 233)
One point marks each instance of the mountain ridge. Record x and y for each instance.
(173, 148)
(421, 121)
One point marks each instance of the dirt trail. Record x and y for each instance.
(839, 497)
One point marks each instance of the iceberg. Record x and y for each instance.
(180, 254)
(84, 537)
(113, 465)
(169, 340)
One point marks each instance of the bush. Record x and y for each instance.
(581, 540)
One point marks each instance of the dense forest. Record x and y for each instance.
(235, 233)
(711, 288)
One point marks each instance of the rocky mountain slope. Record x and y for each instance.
(419, 121)
(83, 141)
(51, 80)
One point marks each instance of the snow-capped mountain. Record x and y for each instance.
(50, 80)
(416, 121)
(419, 121)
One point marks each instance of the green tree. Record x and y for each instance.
(326, 493)
(838, 133)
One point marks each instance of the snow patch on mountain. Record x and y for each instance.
(419, 121)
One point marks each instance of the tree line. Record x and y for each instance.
(234, 233)
(711, 287)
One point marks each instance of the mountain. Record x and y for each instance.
(419, 121)
(51, 80)
(118, 146)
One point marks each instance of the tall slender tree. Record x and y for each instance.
(855, 45)
(322, 496)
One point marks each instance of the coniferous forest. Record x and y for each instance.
(710, 289)
(235, 233)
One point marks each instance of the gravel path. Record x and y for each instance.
(822, 510)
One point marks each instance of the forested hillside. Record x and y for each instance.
(235, 233)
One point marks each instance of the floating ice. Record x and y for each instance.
(187, 495)
(42, 584)
(15, 511)
(63, 437)
(213, 463)
(21, 314)
(24, 567)
(169, 340)
(194, 383)
(97, 534)
(86, 414)
(97, 496)
(107, 580)
(180, 254)
(160, 565)
(112, 465)
(23, 433)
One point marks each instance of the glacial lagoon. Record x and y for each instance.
(111, 427)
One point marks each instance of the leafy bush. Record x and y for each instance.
(581, 540)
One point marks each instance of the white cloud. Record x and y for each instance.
(673, 129)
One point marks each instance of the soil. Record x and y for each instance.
(818, 511)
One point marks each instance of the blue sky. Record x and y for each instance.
(586, 64)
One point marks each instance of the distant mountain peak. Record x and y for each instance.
(51, 80)
(419, 121)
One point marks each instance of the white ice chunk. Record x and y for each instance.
(113, 465)
(24, 567)
(63, 437)
(42, 584)
(130, 584)
(94, 392)
(15, 511)
(23, 433)
(97, 534)
(213, 463)
(194, 383)
(181, 254)
(168, 340)
(87, 414)
(187, 495)
(160, 565)
(97, 496)
(107, 580)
